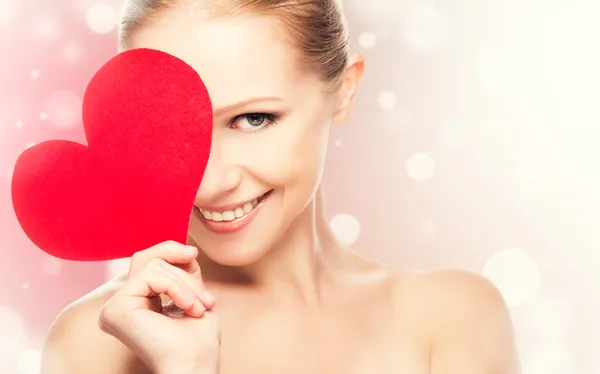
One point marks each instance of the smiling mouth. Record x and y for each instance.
(233, 214)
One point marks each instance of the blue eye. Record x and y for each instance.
(253, 121)
(256, 119)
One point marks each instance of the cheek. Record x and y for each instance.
(299, 153)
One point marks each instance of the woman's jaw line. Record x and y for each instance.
(305, 258)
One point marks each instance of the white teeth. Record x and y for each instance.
(230, 215)
(239, 212)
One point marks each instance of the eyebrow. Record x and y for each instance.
(230, 108)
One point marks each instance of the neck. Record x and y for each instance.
(298, 264)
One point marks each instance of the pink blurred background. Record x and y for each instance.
(473, 145)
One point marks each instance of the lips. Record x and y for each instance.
(232, 225)
(232, 213)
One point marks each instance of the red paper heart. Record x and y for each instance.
(148, 122)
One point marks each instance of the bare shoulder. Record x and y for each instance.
(75, 344)
(467, 320)
(460, 292)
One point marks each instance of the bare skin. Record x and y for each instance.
(289, 297)
(391, 321)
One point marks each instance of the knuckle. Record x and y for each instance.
(138, 257)
(103, 324)
(170, 246)
(107, 315)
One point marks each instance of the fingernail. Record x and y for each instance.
(189, 250)
(198, 305)
(208, 296)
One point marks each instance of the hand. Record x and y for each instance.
(182, 337)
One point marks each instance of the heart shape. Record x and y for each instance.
(148, 123)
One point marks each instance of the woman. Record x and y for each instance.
(289, 298)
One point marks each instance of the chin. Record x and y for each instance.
(249, 242)
(234, 254)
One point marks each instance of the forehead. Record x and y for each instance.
(237, 57)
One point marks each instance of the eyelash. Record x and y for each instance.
(271, 119)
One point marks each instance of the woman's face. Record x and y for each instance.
(271, 126)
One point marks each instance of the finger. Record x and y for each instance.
(156, 280)
(184, 278)
(195, 283)
(171, 252)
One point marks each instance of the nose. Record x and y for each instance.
(221, 177)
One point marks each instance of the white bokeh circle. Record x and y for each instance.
(387, 100)
(13, 331)
(346, 228)
(102, 18)
(515, 273)
(420, 167)
(63, 109)
(29, 361)
(367, 40)
(71, 52)
(46, 27)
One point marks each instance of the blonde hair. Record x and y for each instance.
(316, 28)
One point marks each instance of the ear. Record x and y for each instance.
(354, 72)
